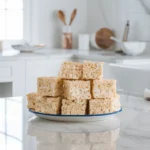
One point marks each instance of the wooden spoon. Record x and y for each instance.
(62, 17)
(73, 15)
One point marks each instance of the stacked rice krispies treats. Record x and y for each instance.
(48, 105)
(103, 88)
(104, 105)
(77, 89)
(73, 107)
(92, 70)
(31, 97)
(79, 85)
(49, 86)
(71, 70)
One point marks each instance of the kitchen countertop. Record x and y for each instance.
(106, 56)
(129, 130)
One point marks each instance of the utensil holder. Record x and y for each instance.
(67, 37)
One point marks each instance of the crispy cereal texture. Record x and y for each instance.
(104, 88)
(49, 86)
(104, 105)
(48, 105)
(31, 97)
(92, 70)
(76, 89)
(71, 70)
(73, 107)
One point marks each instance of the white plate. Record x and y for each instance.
(27, 48)
(76, 118)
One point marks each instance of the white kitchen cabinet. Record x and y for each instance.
(129, 79)
(19, 78)
(35, 69)
(12, 78)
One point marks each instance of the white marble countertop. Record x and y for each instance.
(130, 130)
(106, 56)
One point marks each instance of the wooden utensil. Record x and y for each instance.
(73, 15)
(103, 38)
(62, 17)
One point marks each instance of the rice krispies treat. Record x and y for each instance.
(73, 107)
(31, 98)
(48, 105)
(49, 86)
(71, 70)
(104, 105)
(92, 70)
(76, 89)
(104, 88)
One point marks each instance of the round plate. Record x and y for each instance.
(75, 118)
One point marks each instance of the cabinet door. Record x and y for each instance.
(35, 69)
(19, 78)
(12, 78)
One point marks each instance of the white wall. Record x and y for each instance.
(115, 13)
(46, 27)
(92, 15)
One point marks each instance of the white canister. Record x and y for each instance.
(84, 42)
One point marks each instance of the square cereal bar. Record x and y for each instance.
(104, 88)
(92, 70)
(31, 98)
(76, 89)
(73, 107)
(49, 86)
(104, 105)
(48, 105)
(71, 70)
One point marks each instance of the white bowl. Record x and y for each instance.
(133, 48)
(93, 41)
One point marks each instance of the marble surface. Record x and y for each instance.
(105, 56)
(129, 130)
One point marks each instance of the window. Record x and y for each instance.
(11, 127)
(11, 19)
